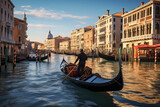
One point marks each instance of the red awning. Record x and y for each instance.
(145, 46)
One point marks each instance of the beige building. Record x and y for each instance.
(108, 31)
(142, 25)
(6, 27)
(73, 40)
(53, 43)
(89, 38)
(77, 38)
(64, 45)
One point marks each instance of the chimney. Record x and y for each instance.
(99, 17)
(107, 12)
(122, 10)
(142, 3)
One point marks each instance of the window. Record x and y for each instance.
(137, 31)
(5, 16)
(142, 13)
(134, 31)
(125, 20)
(138, 16)
(157, 31)
(150, 28)
(19, 27)
(114, 20)
(1, 13)
(129, 33)
(19, 39)
(157, 10)
(125, 34)
(150, 10)
(147, 11)
(1, 30)
(114, 27)
(114, 36)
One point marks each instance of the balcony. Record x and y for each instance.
(143, 37)
(8, 24)
(133, 23)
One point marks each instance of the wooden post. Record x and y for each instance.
(138, 56)
(48, 55)
(155, 56)
(36, 55)
(6, 57)
(125, 54)
(0, 57)
(14, 61)
(39, 56)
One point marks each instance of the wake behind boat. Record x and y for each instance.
(93, 82)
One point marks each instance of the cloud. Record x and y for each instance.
(42, 13)
(40, 25)
(82, 22)
(27, 6)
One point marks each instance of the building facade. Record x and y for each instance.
(142, 25)
(89, 38)
(6, 27)
(77, 38)
(64, 45)
(53, 43)
(20, 34)
(108, 32)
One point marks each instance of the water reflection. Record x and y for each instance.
(31, 84)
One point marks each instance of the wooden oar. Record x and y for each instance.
(68, 74)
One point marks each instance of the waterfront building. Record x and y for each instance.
(89, 38)
(6, 27)
(142, 25)
(20, 34)
(65, 45)
(53, 43)
(108, 32)
(73, 40)
(77, 38)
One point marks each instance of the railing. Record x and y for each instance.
(133, 23)
(143, 37)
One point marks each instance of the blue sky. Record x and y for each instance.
(63, 16)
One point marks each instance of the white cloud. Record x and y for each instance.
(82, 22)
(27, 6)
(40, 25)
(42, 13)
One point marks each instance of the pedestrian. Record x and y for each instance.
(82, 57)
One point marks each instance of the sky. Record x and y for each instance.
(61, 17)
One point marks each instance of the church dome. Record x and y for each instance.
(50, 36)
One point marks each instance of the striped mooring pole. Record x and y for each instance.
(48, 55)
(155, 56)
(36, 55)
(14, 61)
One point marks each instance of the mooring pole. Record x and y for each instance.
(14, 61)
(36, 55)
(155, 56)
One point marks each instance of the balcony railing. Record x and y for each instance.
(143, 37)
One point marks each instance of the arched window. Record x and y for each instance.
(157, 10)
(157, 31)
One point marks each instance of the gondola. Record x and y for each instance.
(107, 57)
(34, 58)
(94, 82)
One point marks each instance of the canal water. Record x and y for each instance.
(36, 85)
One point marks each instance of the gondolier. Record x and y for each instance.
(82, 57)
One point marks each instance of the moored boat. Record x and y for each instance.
(107, 57)
(32, 57)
